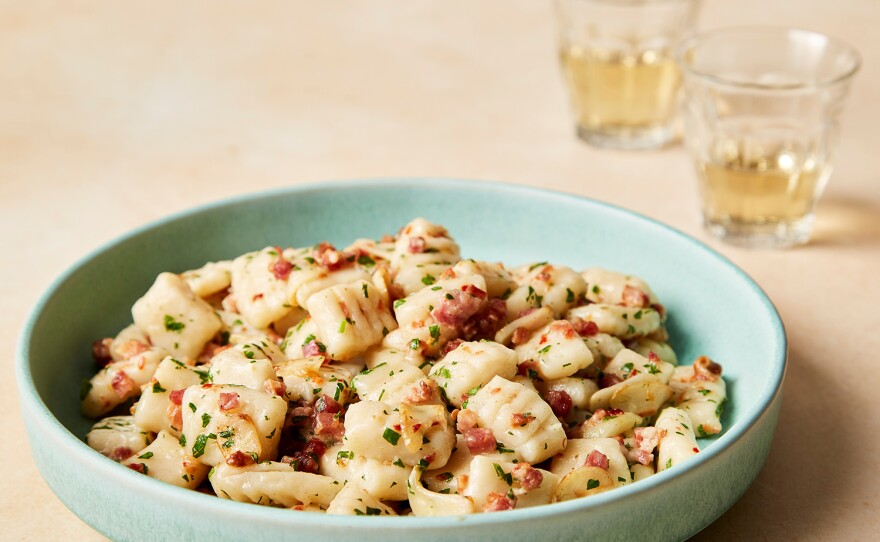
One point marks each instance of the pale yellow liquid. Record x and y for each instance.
(775, 189)
(617, 91)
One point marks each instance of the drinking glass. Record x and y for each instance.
(617, 57)
(761, 111)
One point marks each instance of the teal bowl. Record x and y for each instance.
(714, 308)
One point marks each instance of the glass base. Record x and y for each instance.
(761, 235)
(653, 137)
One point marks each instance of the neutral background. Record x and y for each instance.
(113, 114)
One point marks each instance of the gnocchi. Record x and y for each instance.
(393, 377)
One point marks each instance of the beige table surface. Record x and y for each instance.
(113, 114)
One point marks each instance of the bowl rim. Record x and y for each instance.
(32, 404)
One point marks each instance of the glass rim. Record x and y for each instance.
(691, 42)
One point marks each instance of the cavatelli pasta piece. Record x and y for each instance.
(604, 424)
(677, 441)
(273, 484)
(603, 347)
(499, 281)
(260, 286)
(429, 503)
(557, 349)
(356, 501)
(613, 288)
(662, 350)
(167, 460)
(350, 318)
(302, 341)
(396, 382)
(543, 285)
(525, 485)
(701, 392)
(248, 364)
(119, 381)
(641, 386)
(174, 318)
(327, 279)
(519, 419)
(469, 366)
(422, 252)
(524, 326)
(622, 322)
(384, 480)
(579, 390)
(307, 379)
(222, 421)
(155, 411)
(211, 278)
(129, 342)
(118, 437)
(413, 434)
(435, 314)
(603, 453)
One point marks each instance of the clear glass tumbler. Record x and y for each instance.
(761, 108)
(618, 61)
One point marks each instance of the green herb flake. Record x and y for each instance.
(206, 419)
(506, 476)
(428, 280)
(199, 446)
(399, 302)
(569, 296)
(669, 463)
(592, 483)
(443, 372)
(363, 259)
(415, 344)
(146, 455)
(391, 436)
(501, 449)
(344, 454)
(173, 325)
(157, 388)
(435, 333)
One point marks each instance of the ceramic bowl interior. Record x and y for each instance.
(714, 309)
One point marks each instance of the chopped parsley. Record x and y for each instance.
(391, 436)
(592, 483)
(173, 325)
(199, 446)
(506, 476)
